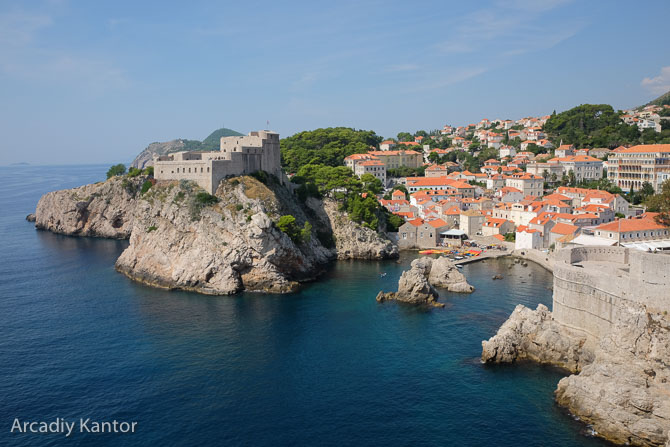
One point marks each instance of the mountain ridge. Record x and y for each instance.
(210, 143)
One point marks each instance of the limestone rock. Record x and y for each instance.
(31, 217)
(416, 284)
(223, 248)
(352, 241)
(104, 209)
(413, 287)
(443, 273)
(625, 393)
(535, 335)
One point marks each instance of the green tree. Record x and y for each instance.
(660, 203)
(115, 170)
(371, 183)
(405, 136)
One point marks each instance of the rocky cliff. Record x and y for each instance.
(104, 209)
(624, 394)
(352, 241)
(183, 238)
(223, 247)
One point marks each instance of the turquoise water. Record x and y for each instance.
(325, 366)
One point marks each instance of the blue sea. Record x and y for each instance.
(325, 366)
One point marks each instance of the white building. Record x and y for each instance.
(527, 238)
(374, 167)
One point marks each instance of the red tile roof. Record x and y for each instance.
(563, 228)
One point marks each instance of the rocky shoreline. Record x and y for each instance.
(620, 374)
(182, 238)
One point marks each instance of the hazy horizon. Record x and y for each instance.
(89, 83)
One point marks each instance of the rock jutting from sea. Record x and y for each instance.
(183, 238)
(417, 285)
(610, 328)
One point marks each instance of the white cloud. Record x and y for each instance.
(659, 84)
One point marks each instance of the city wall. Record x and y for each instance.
(594, 285)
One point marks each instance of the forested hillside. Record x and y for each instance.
(325, 146)
(598, 125)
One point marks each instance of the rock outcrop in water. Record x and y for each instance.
(104, 209)
(534, 335)
(444, 274)
(416, 284)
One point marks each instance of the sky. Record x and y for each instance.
(96, 82)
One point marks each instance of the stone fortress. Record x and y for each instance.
(238, 155)
(592, 286)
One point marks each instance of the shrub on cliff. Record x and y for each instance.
(134, 172)
(298, 235)
(146, 186)
(205, 199)
(115, 170)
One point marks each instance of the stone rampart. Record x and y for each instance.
(592, 286)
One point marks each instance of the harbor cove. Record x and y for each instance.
(326, 365)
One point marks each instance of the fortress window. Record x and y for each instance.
(207, 168)
(201, 169)
(177, 170)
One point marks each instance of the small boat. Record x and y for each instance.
(381, 275)
(459, 266)
(458, 258)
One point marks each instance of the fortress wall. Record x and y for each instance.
(591, 298)
(198, 171)
(586, 300)
(650, 280)
(581, 254)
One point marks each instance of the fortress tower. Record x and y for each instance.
(237, 156)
